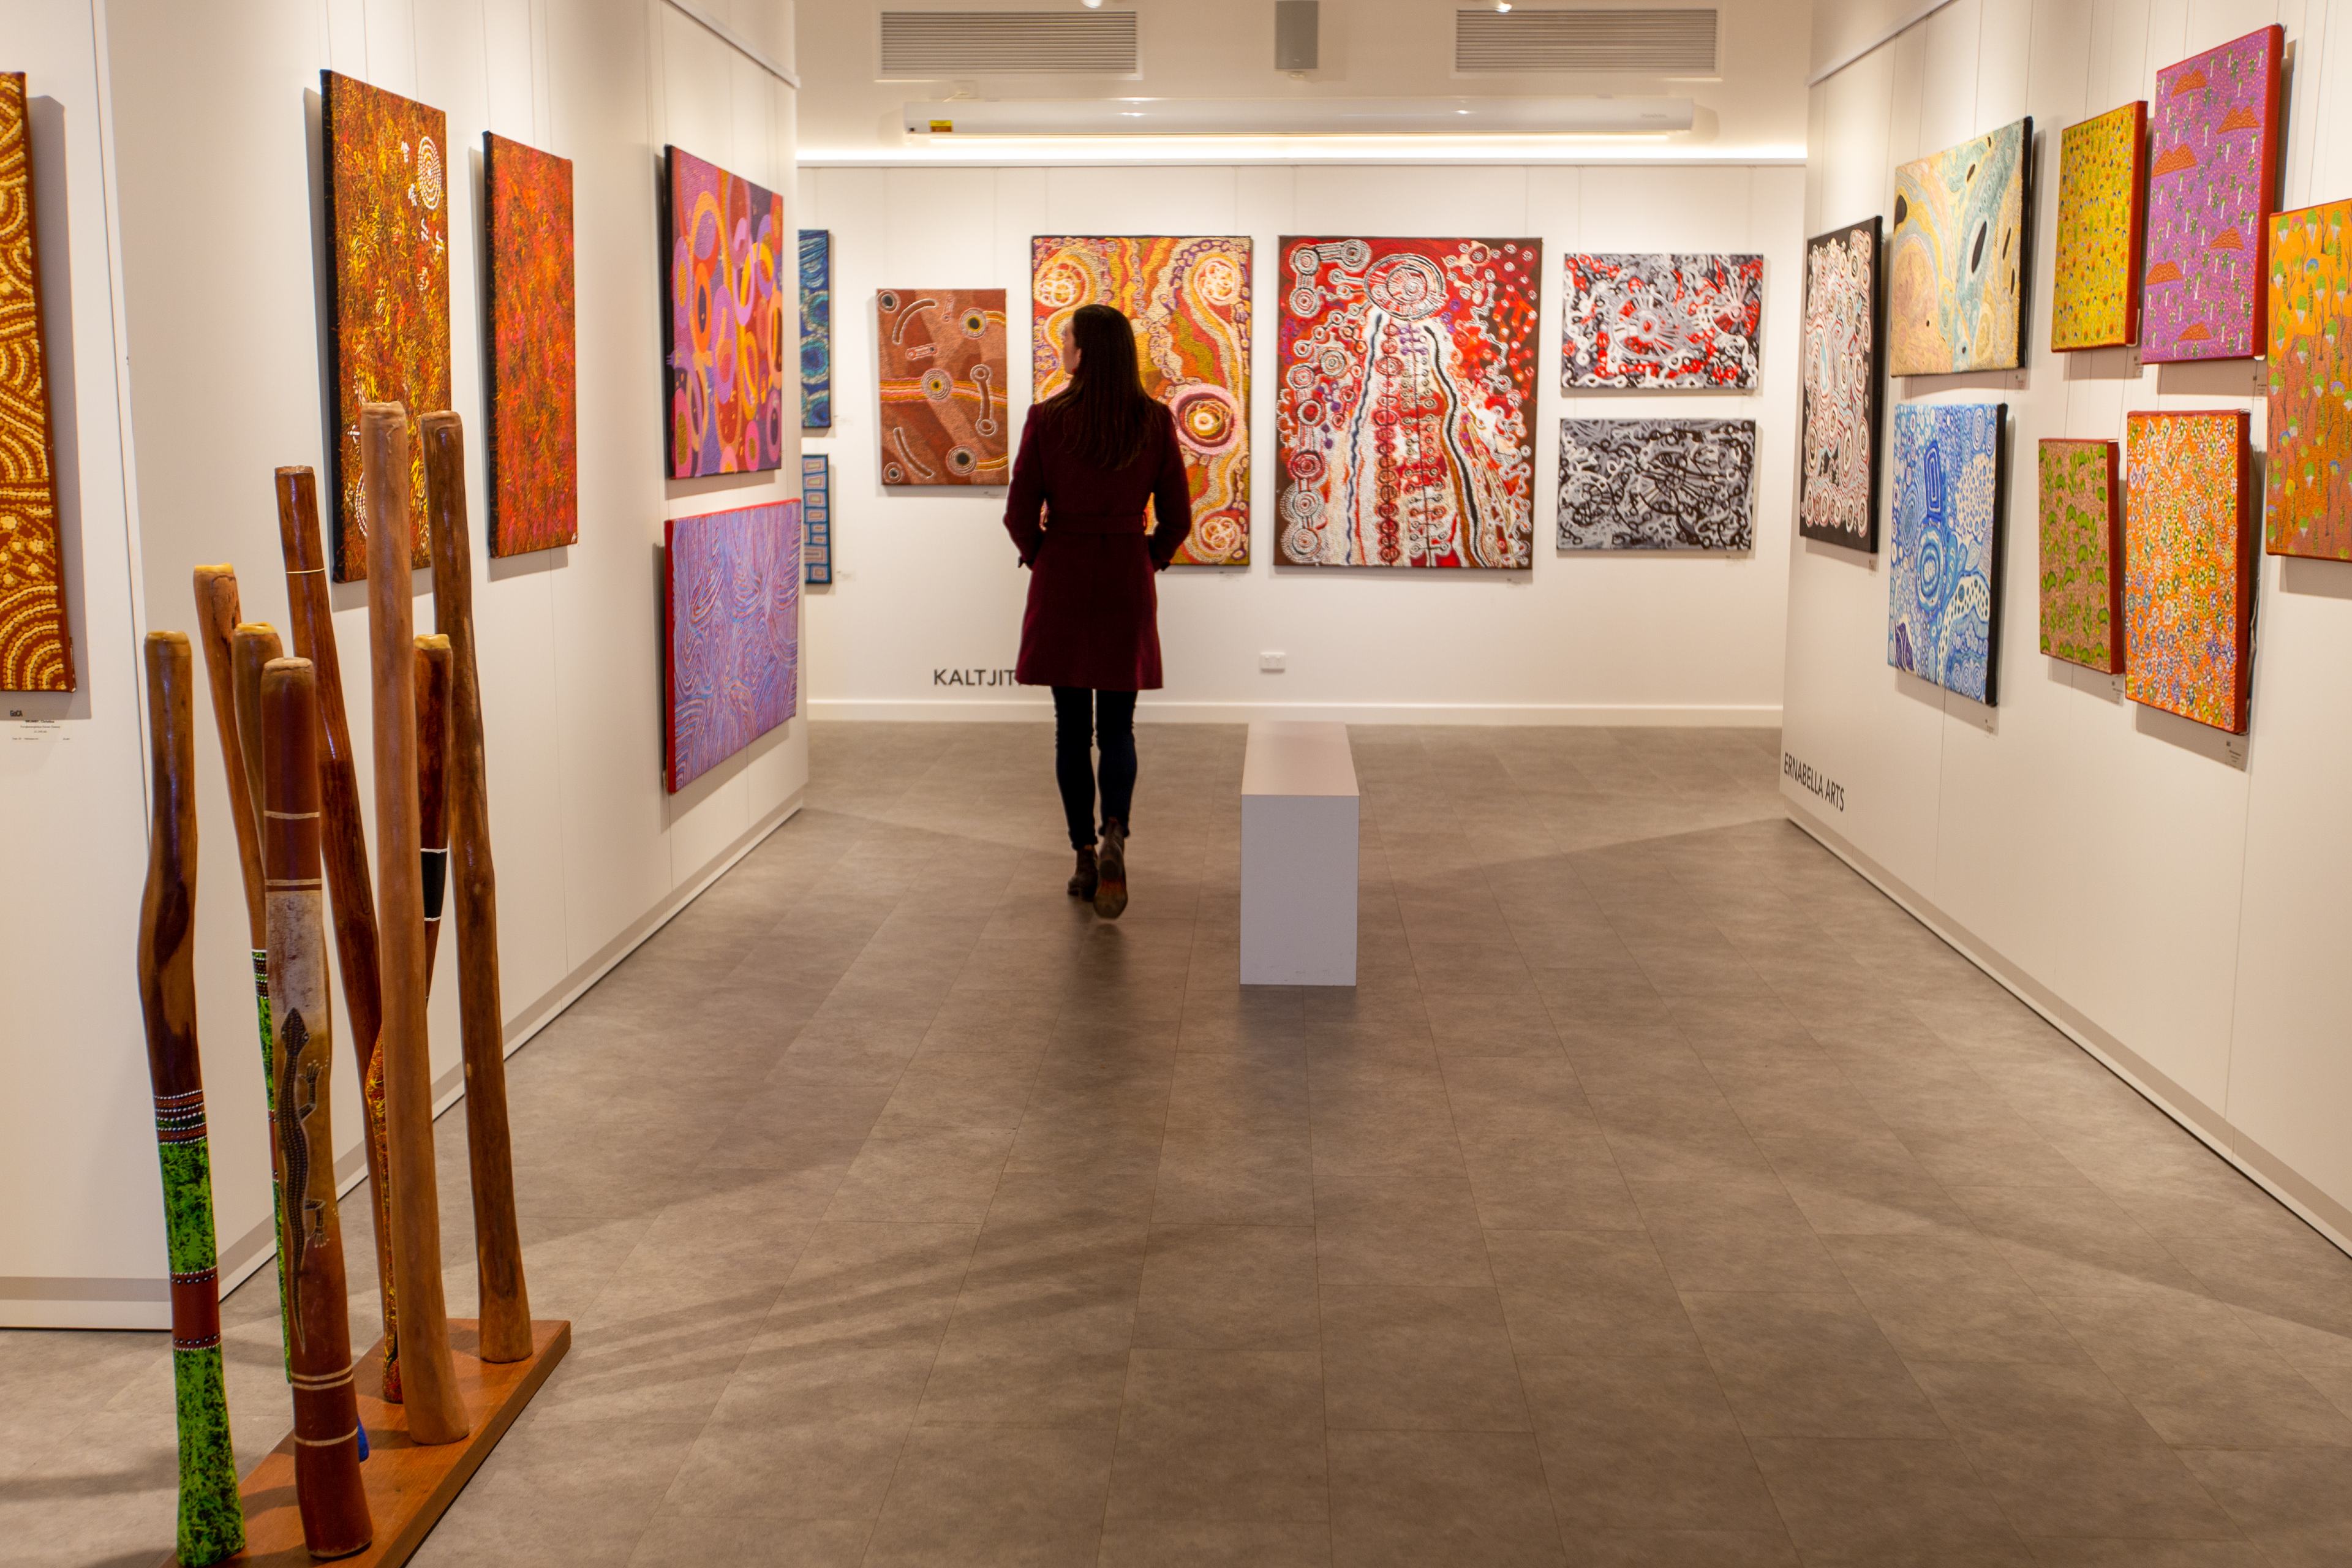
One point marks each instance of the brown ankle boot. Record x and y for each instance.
(1110, 892)
(1084, 880)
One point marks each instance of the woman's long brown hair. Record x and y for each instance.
(1105, 408)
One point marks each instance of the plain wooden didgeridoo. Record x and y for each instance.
(328, 1490)
(437, 1413)
(212, 1518)
(433, 787)
(490, 1144)
(350, 884)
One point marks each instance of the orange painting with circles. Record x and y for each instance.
(944, 377)
(36, 651)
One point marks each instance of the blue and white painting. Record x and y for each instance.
(816, 329)
(1943, 557)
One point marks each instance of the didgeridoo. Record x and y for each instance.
(498, 1239)
(345, 844)
(433, 787)
(327, 1487)
(212, 1520)
(251, 647)
(436, 1414)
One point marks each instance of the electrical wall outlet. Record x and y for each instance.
(1274, 661)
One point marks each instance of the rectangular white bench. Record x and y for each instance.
(1299, 813)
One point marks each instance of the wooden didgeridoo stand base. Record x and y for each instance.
(409, 1488)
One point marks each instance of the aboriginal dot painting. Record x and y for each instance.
(2081, 553)
(733, 607)
(36, 648)
(943, 381)
(534, 454)
(725, 327)
(2102, 175)
(2188, 565)
(2211, 177)
(1402, 417)
(1956, 257)
(1943, 547)
(1681, 323)
(1837, 496)
(1656, 484)
(816, 329)
(2308, 501)
(388, 216)
(1190, 302)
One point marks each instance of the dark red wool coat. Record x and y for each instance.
(1092, 615)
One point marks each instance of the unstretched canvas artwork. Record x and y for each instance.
(388, 220)
(2081, 553)
(2212, 184)
(2307, 505)
(1190, 302)
(2101, 173)
(534, 449)
(1956, 256)
(1680, 324)
(1656, 484)
(36, 642)
(2188, 565)
(724, 329)
(816, 329)
(1837, 484)
(1944, 547)
(1402, 417)
(733, 607)
(943, 386)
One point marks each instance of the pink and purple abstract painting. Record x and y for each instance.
(724, 329)
(732, 602)
(2212, 181)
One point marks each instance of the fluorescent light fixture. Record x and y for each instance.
(1192, 118)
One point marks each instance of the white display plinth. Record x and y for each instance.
(1298, 855)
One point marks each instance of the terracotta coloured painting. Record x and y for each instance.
(2081, 553)
(2188, 565)
(1956, 258)
(1190, 302)
(2102, 175)
(732, 606)
(1943, 549)
(2211, 187)
(1837, 496)
(816, 329)
(388, 216)
(36, 644)
(534, 449)
(2308, 496)
(1656, 484)
(943, 384)
(1402, 417)
(1682, 323)
(724, 329)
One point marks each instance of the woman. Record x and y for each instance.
(1091, 456)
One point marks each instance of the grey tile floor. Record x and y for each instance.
(1662, 1196)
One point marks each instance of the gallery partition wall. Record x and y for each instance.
(2160, 870)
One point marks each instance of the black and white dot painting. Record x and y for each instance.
(1656, 484)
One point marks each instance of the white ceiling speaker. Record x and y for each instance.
(941, 46)
(1214, 118)
(1679, 41)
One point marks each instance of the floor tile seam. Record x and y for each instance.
(1916, 1387)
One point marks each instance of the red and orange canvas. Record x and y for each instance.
(388, 220)
(724, 329)
(943, 352)
(534, 452)
(2307, 497)
(36, 644)
(2188, 573)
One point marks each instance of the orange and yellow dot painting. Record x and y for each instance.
(1190, 302)
(388, 219)
(725, 325)
(2082, 554)
(36, 643)
(944, 371)
(2102, 175)
(534, 449)
(2188, 573)
(2307, 499)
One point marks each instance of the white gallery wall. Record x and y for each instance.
(2168, 894)
(205, 306)
(926, 583)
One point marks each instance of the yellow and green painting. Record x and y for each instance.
(1956, 258)
(2101, 173)
(2082, 554)
(2306, 500)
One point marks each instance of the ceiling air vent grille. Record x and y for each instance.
(928, 44)
(1678, 42)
